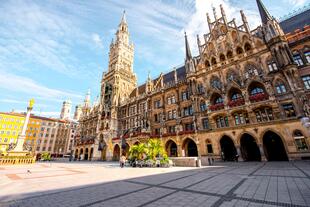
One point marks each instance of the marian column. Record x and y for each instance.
(22, 136)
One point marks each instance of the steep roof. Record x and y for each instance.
(298, 21)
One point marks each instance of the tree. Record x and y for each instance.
(137, 151)
(155, 148)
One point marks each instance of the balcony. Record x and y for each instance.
(187, 132)
(217, 107)
(236, 102)
(258, 97)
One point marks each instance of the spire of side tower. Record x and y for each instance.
(264, 14)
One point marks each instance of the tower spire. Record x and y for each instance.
(188, 53)
(124, 17)
(264, 14)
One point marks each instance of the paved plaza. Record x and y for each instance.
(105, 184)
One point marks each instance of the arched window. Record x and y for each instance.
(236, 96)
(216, 83)
(222, 57)
(207, 63)
(247, 46)
(239, 50)
(229, 54)
(218, 100)
(213, 61)
(300, 140)
(280, 87)
(256, 90)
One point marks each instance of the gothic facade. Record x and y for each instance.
(242, 95)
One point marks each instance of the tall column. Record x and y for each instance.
(22, 136)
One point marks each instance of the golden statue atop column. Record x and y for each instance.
(16, 153)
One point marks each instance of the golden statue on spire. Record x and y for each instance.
(31, 103)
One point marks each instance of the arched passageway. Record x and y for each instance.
(86, 154)
(274, 147)
(228, 149)
(249, 149)
(171, 149)
(76, 154)
(116, 152)
(190, 148)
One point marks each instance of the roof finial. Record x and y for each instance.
(187, 48)
(214, 13)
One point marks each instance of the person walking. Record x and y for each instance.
(122, 161)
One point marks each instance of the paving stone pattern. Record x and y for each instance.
(226, 184)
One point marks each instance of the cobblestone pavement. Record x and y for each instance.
(225, 184)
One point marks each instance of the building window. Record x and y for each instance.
(205, 123)
(289, 110)
(171, 129)
(156, 118)
(298, 60)
(200, 89)
(188, 111)
(209, 147)
(157, 131)
(157, 104)
(132, 110)
(280, 87)
(257, 90)
(185, 95)
(306, 80)
(241, 118)
(222, 121)
(264, 114)
(300, 140)
(171, 100)
(203, 106)
(272, 67)
(189, 127)
(307, 55)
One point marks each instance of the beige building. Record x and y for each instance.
(242, 95)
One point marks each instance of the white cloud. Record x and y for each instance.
(25, 85)
(297, 3)
(97, 40)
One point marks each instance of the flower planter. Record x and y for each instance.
(217, 107)
(259, 97)
(235, 103)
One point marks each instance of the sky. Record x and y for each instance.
(55, 50)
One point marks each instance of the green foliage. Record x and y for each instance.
(151, 152)
(137, 151)
(155, 148)
(46, 156)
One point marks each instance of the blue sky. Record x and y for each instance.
(54, 50)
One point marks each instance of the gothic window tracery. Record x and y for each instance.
(280, 87)
(252, 71)
(239, 50)
(216, 83)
